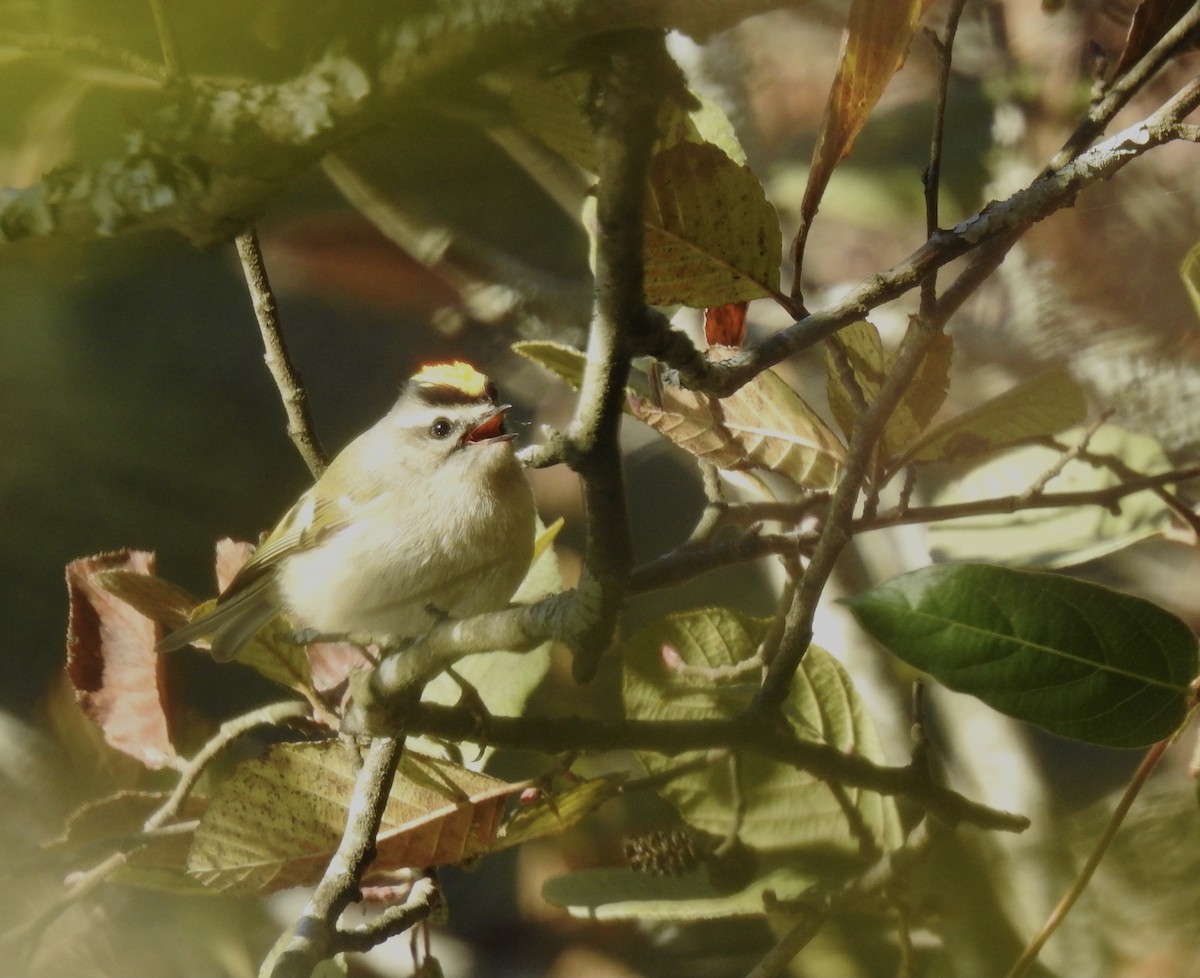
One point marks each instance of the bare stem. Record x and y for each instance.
(316, 936)
(932, 178)
(1059, 913)
(287, 379)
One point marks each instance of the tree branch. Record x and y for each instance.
(674, 737)
(998, 221)
(315, 936)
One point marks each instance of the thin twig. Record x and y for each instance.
(932, 177)
(1059, 913)
(166, 40)
(229, 731)
(85, 47)
(287, 379)
(1102, 112)
(1000, 221)
(423, 899)
(868, 428)
(1066, 455)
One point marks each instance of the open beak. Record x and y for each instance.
(491, 428)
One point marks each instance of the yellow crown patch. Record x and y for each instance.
(459, 375)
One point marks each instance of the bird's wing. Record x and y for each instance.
(304, 526)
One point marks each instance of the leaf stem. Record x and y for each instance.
(1059, 913)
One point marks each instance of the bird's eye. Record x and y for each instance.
(441, 428)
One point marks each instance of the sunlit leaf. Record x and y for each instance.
(1042, 406)
(874, 47)
(551, 107)
(1078, 659)
(565, 362)
(112, 663)
(712, 236)
(554, 813)
(615, 894)
(869, 365)
(1055, 537)
(157, 599)
(763, 425)
(784, 809)
(278, 819)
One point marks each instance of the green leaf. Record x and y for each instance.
(565, 362)
(1190, 272)
(712, 237)
(503, 680)
(784, 809)
(616, 894)
(554, 813)
(1075, 658)
(869, 364)
(1042, 406)
(1056, 537)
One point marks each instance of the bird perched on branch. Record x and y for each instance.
(427, 514)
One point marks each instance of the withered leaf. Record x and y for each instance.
(111, 662)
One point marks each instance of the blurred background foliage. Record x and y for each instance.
(136, 411)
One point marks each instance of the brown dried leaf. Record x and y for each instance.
(763, 425)
(276, 822)
(1151, 20)
(874, 47)
(726, 325)
(157, 599)
(111, 662)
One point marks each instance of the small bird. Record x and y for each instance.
(427, 514)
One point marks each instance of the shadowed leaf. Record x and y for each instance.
(869, 365)
(552, 814)
(1190, 272)
(1056, 537)
(1042, 406)
(784, 808)
(1078, 659)
(1151, 20)
(712, 237)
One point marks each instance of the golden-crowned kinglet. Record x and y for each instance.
(426, 514)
